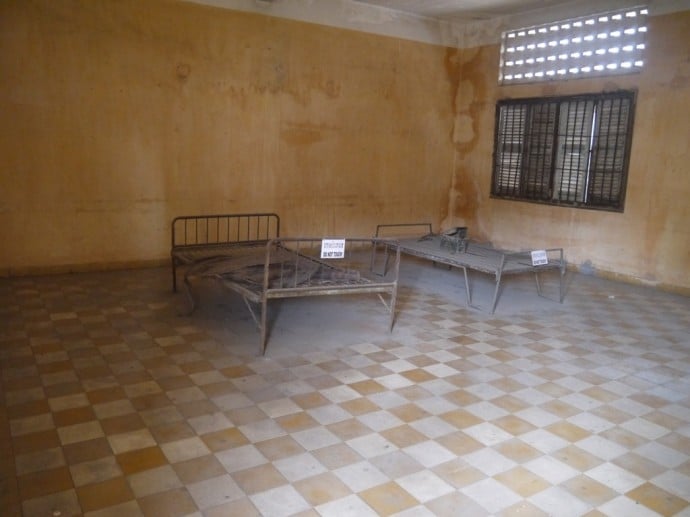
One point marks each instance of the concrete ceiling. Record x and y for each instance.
(453, 23)
(465, 10)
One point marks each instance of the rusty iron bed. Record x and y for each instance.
(260, 269)
(293, 267)
(455, 249)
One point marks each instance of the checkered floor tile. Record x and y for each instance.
(115, 403)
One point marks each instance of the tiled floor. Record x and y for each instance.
(113, 404)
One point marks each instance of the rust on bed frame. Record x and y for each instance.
(292, 267)
(472, 256)
(199, 237)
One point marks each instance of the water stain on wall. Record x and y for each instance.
(182, 71)
(301, 135)
(468, 102)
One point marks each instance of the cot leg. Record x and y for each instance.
(385, 261)
(174, 277)
(264, 306)
(190, 295)
(468, 293)
(498, 286)
(394, 297)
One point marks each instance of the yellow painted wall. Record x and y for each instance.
(648, 243)
(118, 115)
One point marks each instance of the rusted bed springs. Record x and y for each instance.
(279, 269)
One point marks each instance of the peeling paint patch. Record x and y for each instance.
(680, 81)
(301, 136)
(182, 71)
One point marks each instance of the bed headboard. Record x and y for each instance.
(219, 229)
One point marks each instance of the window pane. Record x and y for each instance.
(574, 139)
(602, 44)
(509, 144)
(608, 162)
(539, 155)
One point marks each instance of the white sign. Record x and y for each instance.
(539, 258)
(332, 248)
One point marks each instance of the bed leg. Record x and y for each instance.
(468, 292)
(394, 299)
(263, 333)
(498, 287)
(190, 296)
(174, 277)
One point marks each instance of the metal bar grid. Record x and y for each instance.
(290, 267)
(483, 259)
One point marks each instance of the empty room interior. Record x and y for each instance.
(344, 258)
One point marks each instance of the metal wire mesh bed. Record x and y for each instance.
(295, 267)
(417, 239)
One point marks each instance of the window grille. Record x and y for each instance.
(571, 151)
(603, 44)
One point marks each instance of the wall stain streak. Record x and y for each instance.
(301, 134)
(468, 102)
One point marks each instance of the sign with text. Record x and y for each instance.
(539, 258)
(332, 248)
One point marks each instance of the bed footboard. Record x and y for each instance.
(299, 267)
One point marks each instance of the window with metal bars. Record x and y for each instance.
(571, 151)
(608, 43)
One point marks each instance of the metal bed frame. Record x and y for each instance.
(291, 267)
(469, 255)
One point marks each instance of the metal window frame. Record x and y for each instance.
(531, 160)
